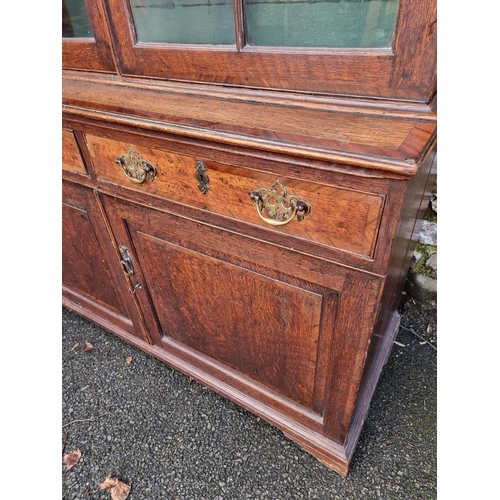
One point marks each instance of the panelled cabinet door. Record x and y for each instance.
(93, 281)
(246, 317)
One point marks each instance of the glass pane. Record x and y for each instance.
(184, 21)
(323, 23)
(75, 20)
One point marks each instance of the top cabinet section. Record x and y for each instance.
(354, 48)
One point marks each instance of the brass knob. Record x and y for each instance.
(279, 207)
(136, 168)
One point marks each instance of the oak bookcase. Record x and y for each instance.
(242, 195)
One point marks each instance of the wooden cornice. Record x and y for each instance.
(379, 135)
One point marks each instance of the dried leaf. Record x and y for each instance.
(75, 346)
(108, 483)
(118, 490)
(428, 328)
(129, 360)
(71, 459)
(399, 344)
(88, 347)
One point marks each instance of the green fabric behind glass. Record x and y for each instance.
(330, 23)
(185, 21)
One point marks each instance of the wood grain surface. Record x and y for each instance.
(389, 142)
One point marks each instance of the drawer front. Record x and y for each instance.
(339, 218)
(71, 157)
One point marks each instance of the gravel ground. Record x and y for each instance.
(168, 437)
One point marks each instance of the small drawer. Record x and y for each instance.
(339, 218)
(71, 158)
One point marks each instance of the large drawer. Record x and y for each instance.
(339, 218)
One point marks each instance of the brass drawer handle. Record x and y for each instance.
(136, 168)
(279, 207)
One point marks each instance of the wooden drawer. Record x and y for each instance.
(71, 158)
(339, 218)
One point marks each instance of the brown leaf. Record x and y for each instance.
(108, 483)
(88, 347)
(129, 360)
(118, 490)
(71, 459)
(428, 328)
(75, 346)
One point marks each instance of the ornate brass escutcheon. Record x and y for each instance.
(276, 207)
(136, 168)
(202, 177)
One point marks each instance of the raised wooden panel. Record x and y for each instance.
(71, 158)
(265, 329)
(340, 218)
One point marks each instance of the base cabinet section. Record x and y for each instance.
(268, 271)
(267, 327)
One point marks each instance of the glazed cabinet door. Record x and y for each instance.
(85, 36)
(256, 322)
(368, 48)
(94, 283)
